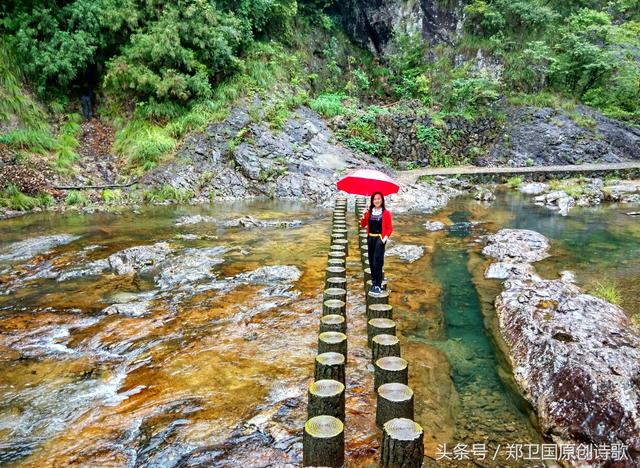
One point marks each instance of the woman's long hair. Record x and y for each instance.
(371, 202)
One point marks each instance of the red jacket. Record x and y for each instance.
(387, 225)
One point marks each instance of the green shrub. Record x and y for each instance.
(514, 182)
(608, 291)
(14, 199)
(76, 197)
(168, 193)
(329, 105)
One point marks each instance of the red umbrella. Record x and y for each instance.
(366, 182)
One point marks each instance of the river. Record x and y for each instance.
(206, 355)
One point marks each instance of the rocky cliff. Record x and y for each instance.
(372, 23)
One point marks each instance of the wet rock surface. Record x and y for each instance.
(405, 252)
(244, 221)
(575, 356)
(428, 196)
(242, 158)
(570, 193)
(138, 259)
(29, 248)
(546, 136)
(517, 246)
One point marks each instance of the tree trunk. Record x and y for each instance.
(390, 369)
(367, 274)
(330, 366)
(335, 282)
(326, 397)
(336, 254)
(334, 323)
(380, 326)
(332, 342)
(338, 294)
(402, 444)
(380, 311)
(334, 306)
(323, 442)
(395, 400)
(384, 345)
(384, 286)
(378, 298)
(336, 271)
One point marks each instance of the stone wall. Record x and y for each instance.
(461, 140)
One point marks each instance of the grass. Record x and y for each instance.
(575, 188)
(37, 141)
(112, 196)
(542, 99)
(168, 193)
(582, 120)
(514, 182)
(143, 144)
(14, 102)
(329, 105)
(76, 198)
(14, 199)
(67, 143)
(608, 291)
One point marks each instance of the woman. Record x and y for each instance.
(379, 227)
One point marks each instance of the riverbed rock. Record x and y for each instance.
(94, 268)
(422, 197)
(433, 226)
(29, 248)
(533, 188)
(557, 199)
(130, 304)
(138, 259)
(619, 191)
(271, 275)
(504, 270)
(406, 252)
(246, 221)
(187, 267)
(483, 194)
(517, 246)
(575, 359)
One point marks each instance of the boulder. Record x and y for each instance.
(406, 252)
(138, 259)
(533, 188)
(517, 246)
(575, 357)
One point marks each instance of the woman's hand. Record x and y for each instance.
(385, 239)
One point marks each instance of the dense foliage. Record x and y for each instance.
(586, 49)
(161, 68)
(172, 50)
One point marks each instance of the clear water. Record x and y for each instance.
(218, 377)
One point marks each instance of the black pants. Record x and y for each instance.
(376, 259)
